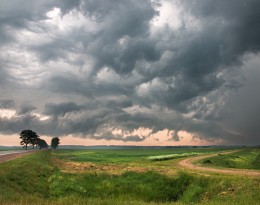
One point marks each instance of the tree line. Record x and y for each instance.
(29, 137)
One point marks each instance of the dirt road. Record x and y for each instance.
(9, 155)
(188, 163)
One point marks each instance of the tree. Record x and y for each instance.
(34, 141)
(42, 144)
(28, 137)
(55, 142)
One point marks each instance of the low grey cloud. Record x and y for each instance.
(7, 104)
(25, 109)
(90, 68)
(61, 109)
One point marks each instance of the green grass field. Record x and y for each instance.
(245, 159)
(118, 177)
(10, 148)
(124, 155)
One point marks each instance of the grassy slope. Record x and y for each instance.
(245, 159)
(35, 180)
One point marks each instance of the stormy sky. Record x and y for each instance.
(126, 70)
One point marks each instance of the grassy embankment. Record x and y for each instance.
(244, 159)
(57, 178)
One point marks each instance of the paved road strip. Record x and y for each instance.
(9, 155)
(12, 152)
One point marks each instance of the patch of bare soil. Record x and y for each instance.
(7, 157)
(88, 167)
(80, 167)
(188, 163)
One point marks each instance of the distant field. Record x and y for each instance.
(245, 159)
(10, 148)
(119, 177)
(117, 161)
(126, 155)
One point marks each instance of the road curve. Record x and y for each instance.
(188, 163)
(12, 154)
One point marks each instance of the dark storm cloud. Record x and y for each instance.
(69, 84)
(67, 5)
(16, 15)
(133, 139)
(242, 108)
(5, 76)
(237, 19)
(61, 109)
(26, 108)
(7, 104)
(119, 103)
(53, 51)
(108, 67)
(202, 55)
(122, 37)
(110, 136)
(175, 136)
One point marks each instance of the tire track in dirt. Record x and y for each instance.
(188, 163)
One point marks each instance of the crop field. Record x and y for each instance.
(125, 176)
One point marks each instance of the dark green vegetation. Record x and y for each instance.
(148, 186)
(56, 177)
(26, 178)
(245, 159)
(29, 137)
(42, 144)
(55, 141)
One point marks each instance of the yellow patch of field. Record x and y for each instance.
(115, 169)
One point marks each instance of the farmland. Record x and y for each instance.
(126, 176)
(244, 159)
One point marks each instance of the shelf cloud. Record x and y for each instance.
(105, 69)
